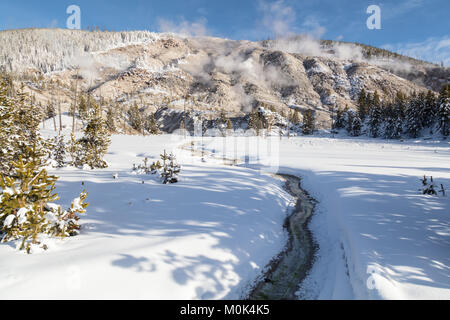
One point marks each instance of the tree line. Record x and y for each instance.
(405, 116)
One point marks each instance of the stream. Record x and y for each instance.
(285, 272)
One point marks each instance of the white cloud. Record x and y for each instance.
(312, 26)
(184, 28)
(281, 21)
(278, 17)
(435, 50)
(400, 8)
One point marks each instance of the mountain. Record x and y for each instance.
(207, 73)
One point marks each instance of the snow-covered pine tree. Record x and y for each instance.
(375, 100)
(96, 139)
(375, 119)
(83, 107)
(27, 120)
(74, 149)
(350, 115)
(135, 118)
(8, 132)
(356, 126)
(50, 111)
(309, 120)
(429, 109)
(111, 119)
(388, 120)
(8, 80)
(151, 126)
(413, 116)
(444, 116)
(59, 152)
(26, 208)
(340, 121)
(19, 128)
(254, 121)
(401, 104)
(394, 126)
(363, 106)
(170, 168)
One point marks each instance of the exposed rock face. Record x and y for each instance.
(160, 70)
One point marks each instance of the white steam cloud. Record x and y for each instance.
(184, 28)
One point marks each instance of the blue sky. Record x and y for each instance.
(415, 27)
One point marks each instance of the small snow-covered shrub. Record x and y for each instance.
(170, 168)
(145, 168)
(167, 168)
(431, 188)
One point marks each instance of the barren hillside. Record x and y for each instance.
(157, 70)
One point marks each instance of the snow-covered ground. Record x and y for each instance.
(211, 234)
(206, 237)
(379, 237)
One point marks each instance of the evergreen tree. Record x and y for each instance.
(135, 118)
(229, 125)
(414, 116)
(26, 208)
(75, 152)
(400, 105)
(170, 169)
(308, 122)
(375, 120)
(350, 114)
(372, 101)
(151, 125)
(50, 111)
(8, 132)
(19, 128)
(340, 121)
(393, 122)
(83, 107)
(363, 102)
(356, 126)
(59, 152)
(430, 109)
(254, 121)
(444, 116)
(111, 120)
(95, 141)
(27, 120)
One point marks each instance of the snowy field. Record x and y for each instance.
(210, 235)
(206, 237)
(379, 237)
